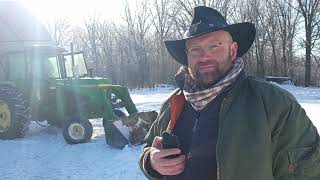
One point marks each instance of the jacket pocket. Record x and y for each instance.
(304, 163)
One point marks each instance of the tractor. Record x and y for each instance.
(46, 83)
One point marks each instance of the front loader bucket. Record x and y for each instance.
(128, 130)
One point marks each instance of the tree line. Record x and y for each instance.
(131, 52)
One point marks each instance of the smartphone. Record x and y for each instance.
(170, 141)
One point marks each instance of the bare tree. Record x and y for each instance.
(222, 5)
(269, 23)
(287, 20)
(163, 30)
(136, 29)
(310, 10)
(106, 36)
(260, 42)
(59, 30)
(92, 25)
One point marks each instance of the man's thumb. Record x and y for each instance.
(157, 142)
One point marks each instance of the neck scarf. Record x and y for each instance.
(199, 98)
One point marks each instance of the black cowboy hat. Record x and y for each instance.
(206, 20)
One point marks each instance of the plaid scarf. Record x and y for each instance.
(200, 98)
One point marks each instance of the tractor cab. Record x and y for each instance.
(74, 65)
(36, 68)
(41, 62)
(32, 70)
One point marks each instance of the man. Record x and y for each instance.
(230, 126)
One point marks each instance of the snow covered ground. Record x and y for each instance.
(43, 154)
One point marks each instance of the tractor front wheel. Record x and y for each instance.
(14, 114)
(77, 130)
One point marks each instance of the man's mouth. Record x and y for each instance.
(208, 67)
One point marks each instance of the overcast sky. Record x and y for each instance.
(75, 10)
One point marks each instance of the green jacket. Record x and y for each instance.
(264, 134)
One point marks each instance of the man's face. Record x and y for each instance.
(210, 56)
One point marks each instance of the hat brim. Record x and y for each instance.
(242, 33)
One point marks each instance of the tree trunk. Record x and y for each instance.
(308, 57)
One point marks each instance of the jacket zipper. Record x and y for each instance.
(219, 175)
(217, 157)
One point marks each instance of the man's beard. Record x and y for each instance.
(208, 79)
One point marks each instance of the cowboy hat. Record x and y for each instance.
(206, 20)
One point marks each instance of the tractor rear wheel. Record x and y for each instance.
(77, 130)
(14, 114)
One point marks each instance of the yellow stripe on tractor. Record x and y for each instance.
(95, 85)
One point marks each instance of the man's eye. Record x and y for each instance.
(195, 50)
(212, 46)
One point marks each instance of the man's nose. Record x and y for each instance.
(205, 56)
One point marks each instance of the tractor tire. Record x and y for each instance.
(119, 113)
(14, 114)
(77, 130)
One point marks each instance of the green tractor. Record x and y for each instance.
(47, 83)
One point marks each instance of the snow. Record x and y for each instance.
(43, 154)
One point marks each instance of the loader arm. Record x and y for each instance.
(123, 94)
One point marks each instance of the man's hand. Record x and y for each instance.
(163, 165)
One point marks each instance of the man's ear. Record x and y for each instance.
(233, 49)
